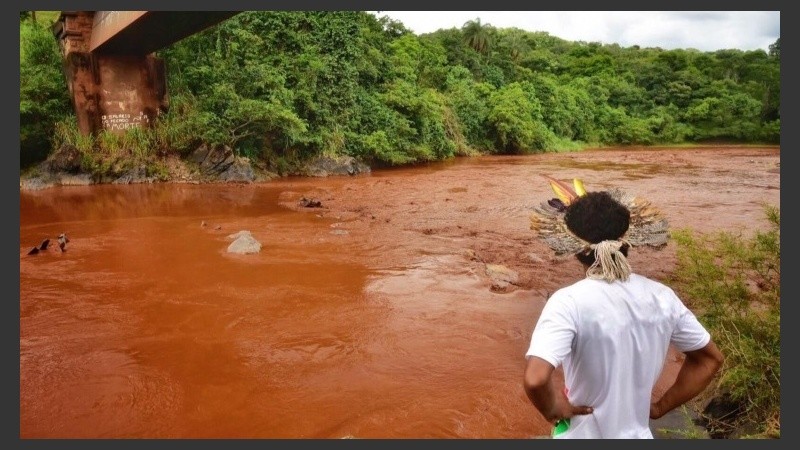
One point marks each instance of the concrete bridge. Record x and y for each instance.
(115, 80)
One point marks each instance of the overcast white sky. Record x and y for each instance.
(701, 30)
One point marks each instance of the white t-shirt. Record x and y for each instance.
(612, 339)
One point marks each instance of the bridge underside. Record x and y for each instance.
(143, 32)
(115, 81)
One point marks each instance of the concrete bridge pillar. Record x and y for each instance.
(109, 91)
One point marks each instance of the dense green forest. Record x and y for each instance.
(283, 86)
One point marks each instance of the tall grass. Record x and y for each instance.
(102, 150)
(67, 133)
(733, 284)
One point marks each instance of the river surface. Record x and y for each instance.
(371, 316)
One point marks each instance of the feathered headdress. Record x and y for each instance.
(647, 225)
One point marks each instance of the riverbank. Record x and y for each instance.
(207, 164)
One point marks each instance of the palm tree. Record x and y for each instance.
(515, 44)
(476, 35)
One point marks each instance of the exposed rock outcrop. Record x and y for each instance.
(324, 166)
(207, 164)
(66, 159)
(243, 243)
(213, 160)
(136, 174)
(502, 277)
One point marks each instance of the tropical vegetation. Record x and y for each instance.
(284, 86)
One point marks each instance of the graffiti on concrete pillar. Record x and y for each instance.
(124, 121)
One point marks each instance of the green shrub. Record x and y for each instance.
(732, 282)
(44, 97)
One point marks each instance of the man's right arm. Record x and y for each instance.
(697, 371)
(542, 392)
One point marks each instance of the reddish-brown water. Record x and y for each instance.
(370, 317)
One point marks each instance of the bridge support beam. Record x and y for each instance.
(113, 92)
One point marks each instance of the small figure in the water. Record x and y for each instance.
(62, 242)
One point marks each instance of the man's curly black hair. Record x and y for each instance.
(597, 217)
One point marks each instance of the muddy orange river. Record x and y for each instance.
(371, 316)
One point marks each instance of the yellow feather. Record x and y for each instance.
(562, 190)
(579, 189)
